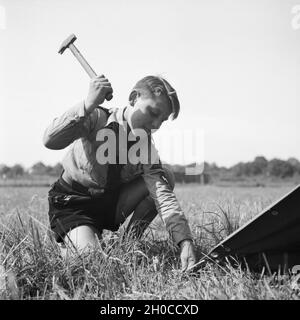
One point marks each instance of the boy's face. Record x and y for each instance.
(149, 112)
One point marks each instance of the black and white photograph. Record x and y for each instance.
(149, 151)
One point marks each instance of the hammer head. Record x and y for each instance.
(66, 43)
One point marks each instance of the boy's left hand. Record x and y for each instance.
(187, 254)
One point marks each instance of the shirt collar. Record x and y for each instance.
(116, 115)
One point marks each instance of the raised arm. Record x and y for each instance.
(79, 120)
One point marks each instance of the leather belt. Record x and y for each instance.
(78, 187)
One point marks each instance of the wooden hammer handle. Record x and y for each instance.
(89, 70)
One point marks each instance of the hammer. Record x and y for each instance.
(69, 43)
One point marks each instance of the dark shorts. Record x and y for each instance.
(70, 208)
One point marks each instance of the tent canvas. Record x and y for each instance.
(271, 239)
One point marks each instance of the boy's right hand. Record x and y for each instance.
(187, 255)
(99, 88)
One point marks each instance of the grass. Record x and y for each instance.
(31, 266)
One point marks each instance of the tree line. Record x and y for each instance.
(260, 166)
(38, 169)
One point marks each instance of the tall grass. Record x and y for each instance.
(31, 266)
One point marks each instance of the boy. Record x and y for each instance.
(94, 194)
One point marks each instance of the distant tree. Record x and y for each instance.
(4, 171)
(214, 167)
(256, 167)
(39, 169)
(280, 168)
(238, 170)
(57, 169)
(244, 169)
(16, 171)
(295, 163)
(49, 170)
(259, 165)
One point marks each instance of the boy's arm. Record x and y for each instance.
(73, 124)
(166, 203)
(168, 207)
(79, 120)
(171, 213)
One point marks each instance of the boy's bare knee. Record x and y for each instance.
(80, 239)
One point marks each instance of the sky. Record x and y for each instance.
(234, 64)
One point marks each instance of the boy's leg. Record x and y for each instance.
(143, 215)
(134, 196)
(79, 240)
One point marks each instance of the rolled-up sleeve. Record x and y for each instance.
(73, 124)
(166, 203)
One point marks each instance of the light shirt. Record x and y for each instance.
(81, 131)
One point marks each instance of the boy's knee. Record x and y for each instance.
(168, 173)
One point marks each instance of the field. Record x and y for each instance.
(32, 268)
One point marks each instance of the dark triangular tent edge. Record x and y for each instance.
(257, 260)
